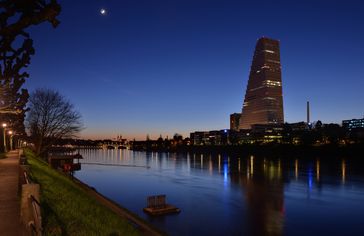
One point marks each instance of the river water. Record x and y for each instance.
(234, 195)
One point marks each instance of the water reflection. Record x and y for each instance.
(296, 169)
(226, 170)
(343, 171)
(318, 170)
(234, 195)
(264, 190)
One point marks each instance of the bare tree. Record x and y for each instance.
(50, 117)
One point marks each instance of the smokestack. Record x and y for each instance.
(308, 112)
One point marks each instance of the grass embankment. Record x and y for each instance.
(68, 210)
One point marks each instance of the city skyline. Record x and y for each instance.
(177, 67)
(246, 114)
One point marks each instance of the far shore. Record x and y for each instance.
(272, 149)
(281, 150)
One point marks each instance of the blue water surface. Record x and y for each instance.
(234, 195)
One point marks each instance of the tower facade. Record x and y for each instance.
(263, 102)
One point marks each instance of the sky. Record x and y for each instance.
(164, 67)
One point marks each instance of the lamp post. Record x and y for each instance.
(11, 139)
(4, 136)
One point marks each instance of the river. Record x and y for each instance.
(234, 195)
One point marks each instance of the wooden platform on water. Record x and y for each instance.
(168, 209)
(157, 206)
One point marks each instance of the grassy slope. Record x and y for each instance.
(68, 210)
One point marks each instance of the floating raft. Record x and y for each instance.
(168, 209)
(157, 206)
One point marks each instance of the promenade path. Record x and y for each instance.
(9, 199)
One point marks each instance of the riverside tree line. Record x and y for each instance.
(44, 115)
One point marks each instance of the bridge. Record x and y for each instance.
(113, 146)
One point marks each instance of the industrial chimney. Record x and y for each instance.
(308, 113)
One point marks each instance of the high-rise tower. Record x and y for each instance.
(263, 103)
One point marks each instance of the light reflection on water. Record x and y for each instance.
(231, 195)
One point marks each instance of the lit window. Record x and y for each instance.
(274, 61)
(269, 51)
(271, 83)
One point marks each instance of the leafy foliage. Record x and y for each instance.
(16, 49)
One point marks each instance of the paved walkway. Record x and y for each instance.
(9, 199)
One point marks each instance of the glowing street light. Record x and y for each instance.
(11, 139)
(4, 136)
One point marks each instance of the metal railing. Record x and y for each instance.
(158, 201)
(36, 224)
(35, 218)
(27, 180)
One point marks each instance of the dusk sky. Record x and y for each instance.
(163, 67)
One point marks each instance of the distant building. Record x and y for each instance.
(267, 132)
(298, 126)
(353, 124)
(214, 137)
(241, 136)
(234, 121)
(263, 103)
(199, 137)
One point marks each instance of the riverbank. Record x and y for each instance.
(72, 208)
(144, 227)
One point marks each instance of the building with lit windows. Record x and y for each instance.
(214, 137)
(353, 124)
(263, 102)
(267, 132)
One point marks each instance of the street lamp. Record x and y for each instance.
(4, 136)
(11, 139)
